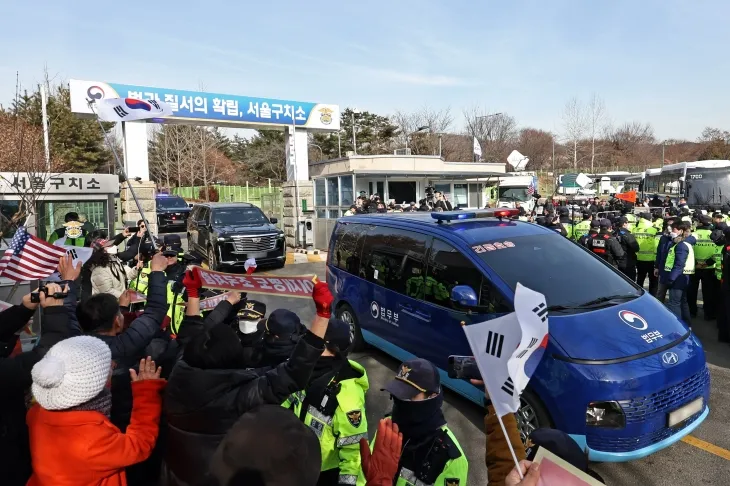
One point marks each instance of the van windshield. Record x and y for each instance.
(566, 274)
(513, 193)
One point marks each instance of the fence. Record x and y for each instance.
(249, 194)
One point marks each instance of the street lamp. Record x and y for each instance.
(418, 130)
(355, 111)
(321, 152)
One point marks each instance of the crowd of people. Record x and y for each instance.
(434, 201)
(675, 248)
(114, 394)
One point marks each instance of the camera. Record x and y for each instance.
(35, 297)
(463, 368)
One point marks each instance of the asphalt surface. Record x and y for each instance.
(679, 464)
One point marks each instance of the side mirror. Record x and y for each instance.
(464, 296)
(273, 220)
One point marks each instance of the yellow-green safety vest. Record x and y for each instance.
(717, 256)
(645, 235)
(704, 249)
(689, 265)
(175, 312)
(659, 225)
(339, 433)
(630, 217)
(581, 229)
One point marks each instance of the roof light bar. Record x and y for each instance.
(482, 213)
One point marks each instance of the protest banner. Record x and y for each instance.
(299, 286)
(555, 471)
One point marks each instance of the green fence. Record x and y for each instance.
(248, 194)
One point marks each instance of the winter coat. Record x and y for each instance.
(111, 279)
(79, 448)
(15, 378)
(134, 246)
(202, 405)
(676, 279)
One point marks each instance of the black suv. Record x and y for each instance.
(172, 212)
(228, 234)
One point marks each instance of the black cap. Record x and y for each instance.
(563, 211)
(605, 223)
(560, 444)
(338, 334)
(705, 219)
(71, 216)
(595, 223)
(168, 252)
(414, 376)
(252, 310)
(622, 220)
(173, 243)
(645, 215)
(282, 323)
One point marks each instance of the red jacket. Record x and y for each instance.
(82, 448)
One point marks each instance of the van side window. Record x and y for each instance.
(204, 215)
(349, 239)
(447, 268)
(394, 258)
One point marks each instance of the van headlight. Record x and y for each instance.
(609, 415)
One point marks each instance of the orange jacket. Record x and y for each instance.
(82, 448)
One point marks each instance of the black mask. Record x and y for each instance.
(418, 419)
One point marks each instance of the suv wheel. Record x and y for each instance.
(531, 416)
(347, 314)
(212, 262)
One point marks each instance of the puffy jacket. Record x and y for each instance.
(15, 378)
(83, 448)
(630, 247)
(202, 405)
(112, 279)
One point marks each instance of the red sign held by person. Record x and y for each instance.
(299, 286)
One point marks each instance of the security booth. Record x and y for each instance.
(91, 196)
(400, 179)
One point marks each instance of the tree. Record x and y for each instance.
(538, 146)
(420, 131)
(574, 125)
(374, 135)
(262, 156)
(596, 120)
(495, 132)
(79, 142)
(710, 134)
(633, 143)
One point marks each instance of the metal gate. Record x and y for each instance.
(272, 206)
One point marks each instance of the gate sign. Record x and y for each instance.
(212, 108)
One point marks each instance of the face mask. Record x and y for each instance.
(673, 234)
(247, 327)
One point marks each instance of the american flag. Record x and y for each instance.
(531, 188)
(29, 258)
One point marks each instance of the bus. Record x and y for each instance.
(633, 183)
(704, 184)
(609, 182)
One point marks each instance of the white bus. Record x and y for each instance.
(704, 184)
(609, 182)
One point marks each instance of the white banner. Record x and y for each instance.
(477, 148)
(80, 255)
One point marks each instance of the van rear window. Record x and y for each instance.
(554, 266)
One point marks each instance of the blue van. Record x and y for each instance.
(621, 374)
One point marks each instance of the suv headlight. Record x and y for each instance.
(222, 239)
(609, 415)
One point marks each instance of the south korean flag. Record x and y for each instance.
(79, 254)
(509, 348)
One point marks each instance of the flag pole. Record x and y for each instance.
(499, 418)
(124, 174)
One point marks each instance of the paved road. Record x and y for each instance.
(681, 463)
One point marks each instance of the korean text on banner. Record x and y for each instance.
(300, 286)
(509, 348)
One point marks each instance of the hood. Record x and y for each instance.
(246, 229)
(616, 332)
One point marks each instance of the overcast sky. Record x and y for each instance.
(662, 62)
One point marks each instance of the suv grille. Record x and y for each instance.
(248, 244)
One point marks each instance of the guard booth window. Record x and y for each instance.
(394, 258)
(9, 210)
(347, 250)
(447, 268)
(51, 216)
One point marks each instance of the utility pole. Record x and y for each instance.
(44, 118)
(354, 139)
(663, 145)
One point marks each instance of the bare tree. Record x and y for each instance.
(574, 125)
(495, 132)
(596, 121)
(421, 131)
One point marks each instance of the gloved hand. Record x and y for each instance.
(192, 284)
(323, 299)
(381, 466)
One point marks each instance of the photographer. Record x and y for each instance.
(15, 375)
(442, 202)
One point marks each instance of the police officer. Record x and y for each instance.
(723, 314)
(553, 222)
(281, 332)
(718, 222)
(583, 227)
(704, 251)
(73, 231)
(249, 332)
(645, 234)
(605, 245)
(679, 265)
(592, 231)
(629, 245)
(566, 222)
(333, 406)
(431, 454)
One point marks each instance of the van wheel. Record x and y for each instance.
(531, 416)
(212, 263)
(346, 314)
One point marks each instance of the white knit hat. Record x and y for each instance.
(73, 372)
